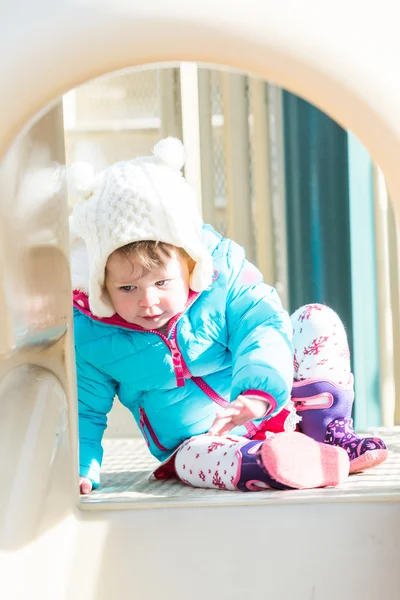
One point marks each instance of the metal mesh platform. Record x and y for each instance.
(127, 465)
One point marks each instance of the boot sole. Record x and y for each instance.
(295, 460)
(368, 460)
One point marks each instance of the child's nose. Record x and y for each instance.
(149, 297)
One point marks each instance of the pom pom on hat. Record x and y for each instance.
(171, 152)
(81, 178)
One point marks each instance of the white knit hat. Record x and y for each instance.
(144, 199)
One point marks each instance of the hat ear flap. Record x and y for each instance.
(202, 274)
(99, 299)
(73, 234)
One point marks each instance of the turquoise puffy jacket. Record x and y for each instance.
(234, 337)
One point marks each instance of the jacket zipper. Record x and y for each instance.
(179, 365)
(199, 381)
(146, 425)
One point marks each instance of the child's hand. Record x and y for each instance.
(85, 485)
(239, 412)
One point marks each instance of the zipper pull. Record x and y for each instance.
(177, 362)
(176, 355)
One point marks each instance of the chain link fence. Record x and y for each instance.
(116, 117)
(120, 98)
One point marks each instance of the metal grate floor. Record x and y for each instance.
(127, 465)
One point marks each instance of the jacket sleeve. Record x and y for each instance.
(259, 335)
(96, 392)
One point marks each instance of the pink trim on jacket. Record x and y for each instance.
(212, 394)
(263, 396)
(144, 422)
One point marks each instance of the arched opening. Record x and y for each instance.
(233, 111)
(333, 56)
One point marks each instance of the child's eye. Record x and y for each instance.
(127, 288)
(162, 283)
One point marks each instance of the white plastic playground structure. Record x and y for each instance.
(341, 56)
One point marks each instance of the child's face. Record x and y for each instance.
(148, 299)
